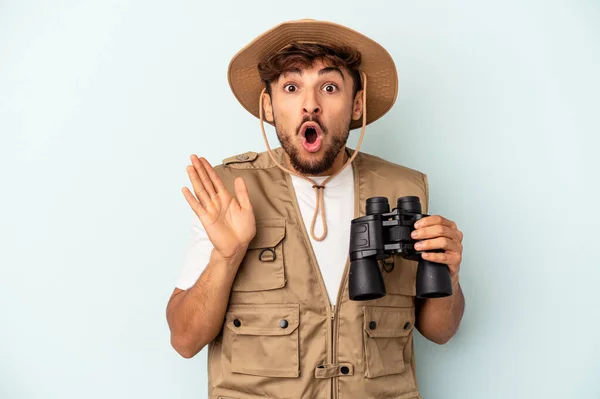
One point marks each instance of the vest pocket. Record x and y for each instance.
(262, 339)
(263, 265)
(386, 332)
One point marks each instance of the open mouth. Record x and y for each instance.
(311, 136)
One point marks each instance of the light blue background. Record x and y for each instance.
(101, 104)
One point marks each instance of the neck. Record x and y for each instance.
(340, 161)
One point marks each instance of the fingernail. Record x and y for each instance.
(414, 234)
(418, 245)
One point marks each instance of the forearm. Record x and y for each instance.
(195, 316)
(439, 318)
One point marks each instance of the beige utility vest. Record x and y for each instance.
(281, 336)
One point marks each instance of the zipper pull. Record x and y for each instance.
(332, 312)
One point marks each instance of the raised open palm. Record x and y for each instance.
(230, 224)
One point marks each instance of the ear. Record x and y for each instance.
(267, 107)
(357, 107)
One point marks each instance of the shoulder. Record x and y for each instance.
(252, 160)
(399, 179)
(384, 168)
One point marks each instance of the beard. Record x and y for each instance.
(318, 166)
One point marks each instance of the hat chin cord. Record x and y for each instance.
(318, 188)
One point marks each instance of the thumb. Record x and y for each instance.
(241, 192)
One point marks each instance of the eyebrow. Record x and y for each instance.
(322, 72)
(331, 69)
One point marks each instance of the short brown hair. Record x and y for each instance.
(303, 55)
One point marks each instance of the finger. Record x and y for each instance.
(437, 230)
(434, 220)
(438, 243)
(198, 187)
(241, 192)
(194, 204)
(206, 182)
(451, 259)
(215, 179)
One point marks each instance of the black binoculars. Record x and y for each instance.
(382, 234)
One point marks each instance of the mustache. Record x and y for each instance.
(311, 118)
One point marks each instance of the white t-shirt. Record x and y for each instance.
(331, 253)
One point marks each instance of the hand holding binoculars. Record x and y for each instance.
(382, 234)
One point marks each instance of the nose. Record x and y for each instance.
(311, 104)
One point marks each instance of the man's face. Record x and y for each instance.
(312, 109)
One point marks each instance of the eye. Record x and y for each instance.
(330, 88)
(290, 88)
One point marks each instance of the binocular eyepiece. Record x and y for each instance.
(382, 234)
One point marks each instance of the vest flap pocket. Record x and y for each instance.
(262, 340)
(263, 319)
(269, 233)
(387, 332)
(263, 266)
(388, 322)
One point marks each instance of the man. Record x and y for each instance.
(265, 283)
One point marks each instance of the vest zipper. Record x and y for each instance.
(317, 271)
(335, 332)
(333, 396)
(334, 324)
(332, 352)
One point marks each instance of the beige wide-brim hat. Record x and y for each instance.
(377, 64)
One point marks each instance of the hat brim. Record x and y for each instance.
(377, 64)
